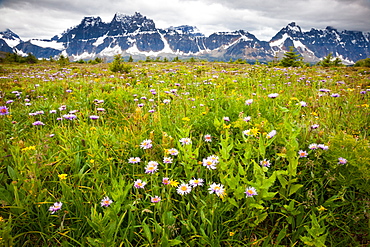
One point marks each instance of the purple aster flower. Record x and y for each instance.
(313, 146)
(146, 144)
(105, 202)
(155, 199)
(196, 182)
(322, 146)
(38, 123)
(185, 141)
(134, 160)
(335, 95)
(9, 101)
(249, 101)
(165, 181)
(273, 95)
(94, 117)
(69, 116)
(271, 134)
(265, 163)
(247, 119)
(152, 167)
(250, 192)
(139, 184)
(302, 154)
(54, 208)
(173, 151)
(315, 126)
(167, 160)
(62, 108)
(4, 110)
(207, 138)
(342, 161)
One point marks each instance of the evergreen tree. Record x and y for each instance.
(291, 59)
(118, 65)
(62, 61)
(31, 58)
(176, 59)
(329, 61)
(81, 61)
(192, 60)
(130, 59)
(363, 63)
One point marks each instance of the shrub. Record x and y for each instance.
(118, 66)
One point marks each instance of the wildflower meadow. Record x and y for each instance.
(184, 154)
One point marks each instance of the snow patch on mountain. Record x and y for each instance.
(111, 51)
(47, 44)
(99, 41)
(279, 43)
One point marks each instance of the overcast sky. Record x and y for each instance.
(263, 18)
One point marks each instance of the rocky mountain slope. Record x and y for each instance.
(138, 36)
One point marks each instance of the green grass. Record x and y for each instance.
(300, 201)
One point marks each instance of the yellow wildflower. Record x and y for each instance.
(321, 208)
(185, 119)
(174, 183)
(254, 131)
(62, 176)
(231, 234)
(29, 148)
(227, 126)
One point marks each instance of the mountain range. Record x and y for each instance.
(137, 36)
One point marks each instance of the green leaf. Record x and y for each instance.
(260, 218)
(280, 236)
(12, 173)
(241, 170)
(283, 109)
(232, 201)
(174, 242)
(147, 232)
(293, 189)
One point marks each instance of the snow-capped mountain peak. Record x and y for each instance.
(138, 36)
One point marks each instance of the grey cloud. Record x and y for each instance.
(45, 18)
